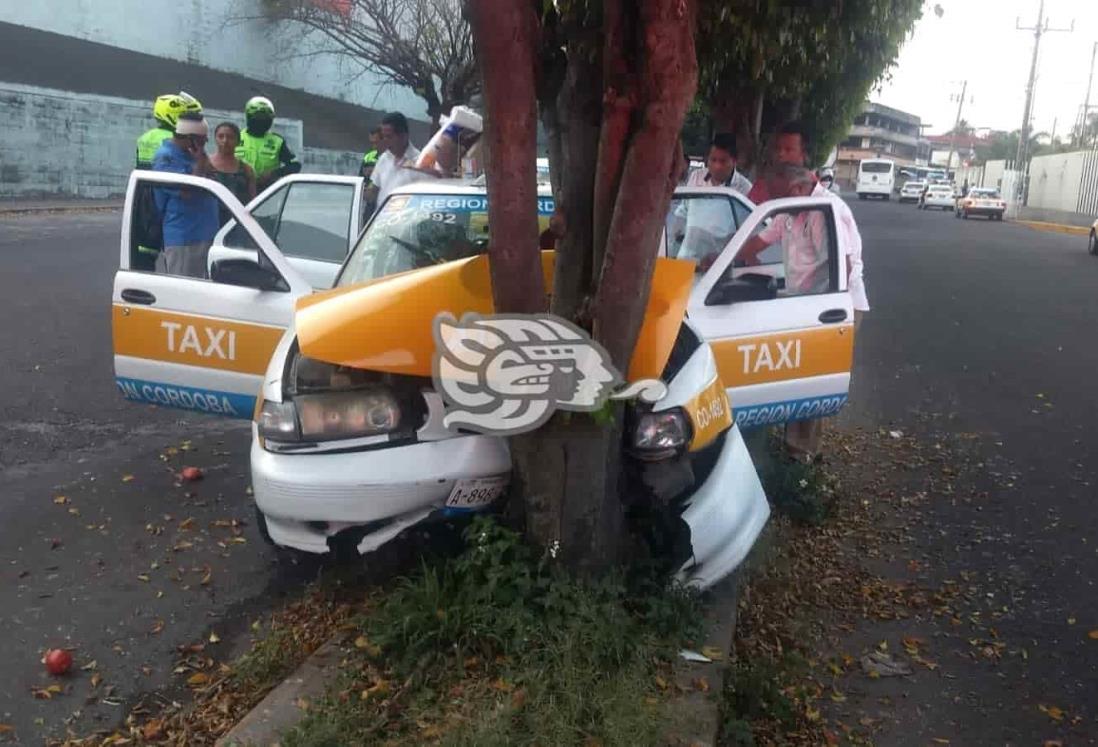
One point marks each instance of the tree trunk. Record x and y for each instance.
(668, 74)
(506, 34)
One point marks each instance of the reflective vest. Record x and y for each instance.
(148, 144)
(261, 153)
(370, 159)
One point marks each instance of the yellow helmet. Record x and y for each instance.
(259, 105)
(169, 106)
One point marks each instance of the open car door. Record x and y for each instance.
(313, 219)
(197, 343)
(781, 329)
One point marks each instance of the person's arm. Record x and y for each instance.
(759, 192)
(290, 164)
(752, 248)
(249, 172)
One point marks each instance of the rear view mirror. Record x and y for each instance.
(747, 287)
(247, 273)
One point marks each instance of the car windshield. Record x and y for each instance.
(914, 185)
(941, 188)
(984, 193)
(420, 230)
(876, 167)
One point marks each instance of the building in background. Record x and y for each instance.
(77, 85)
(880, 131)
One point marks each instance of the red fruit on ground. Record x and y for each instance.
(190, 474)
(58, 661)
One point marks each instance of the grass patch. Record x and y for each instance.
(801, 491)
(499, 647)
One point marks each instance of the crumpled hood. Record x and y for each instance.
(386, 324)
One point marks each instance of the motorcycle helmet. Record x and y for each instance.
(167, 108)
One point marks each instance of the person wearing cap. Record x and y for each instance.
(265, 151)
(189, 215)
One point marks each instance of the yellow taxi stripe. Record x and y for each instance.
(796, 354)
(710, 414)
(194, 340)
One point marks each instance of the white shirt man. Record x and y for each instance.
(850, 244)
(391, 172)
(702, 178)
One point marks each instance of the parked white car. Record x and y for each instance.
(938, 196)
(912, 191)
(348, 446)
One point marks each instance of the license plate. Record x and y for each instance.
(477, 492)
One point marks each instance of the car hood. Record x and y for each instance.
(386, 324)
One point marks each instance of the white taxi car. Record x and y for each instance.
(983, 201)
(938, 196)
(348, 446)
(912, 190)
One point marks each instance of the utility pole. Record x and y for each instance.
(1086, 102)
(956, 124)
(1038, 30)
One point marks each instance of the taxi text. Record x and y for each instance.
(183, 338)
(766, 356)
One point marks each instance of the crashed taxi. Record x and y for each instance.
(349, 443)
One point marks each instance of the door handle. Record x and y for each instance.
(833, 316)
(138, 296)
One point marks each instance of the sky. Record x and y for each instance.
(976, 40)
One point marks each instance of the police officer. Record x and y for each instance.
(263, 150)
(369, 161)
(166, 110)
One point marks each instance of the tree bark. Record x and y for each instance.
(507, 39)
(668, 80)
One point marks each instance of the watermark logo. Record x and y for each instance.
(506, 374)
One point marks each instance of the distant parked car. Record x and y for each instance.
(981, 201)
(938, 196)
(912, 191)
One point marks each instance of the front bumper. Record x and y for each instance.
(725, 514)
(307, 498)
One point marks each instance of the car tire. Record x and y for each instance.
(861, 196)
(1093, 248)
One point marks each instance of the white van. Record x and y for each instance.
(876, 178)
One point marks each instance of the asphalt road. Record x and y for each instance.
(979, 328)
(101, 548)
(982, 334)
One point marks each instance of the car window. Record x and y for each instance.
(266, 214)
(316, 221)
(800, 256)
(701, 225)
(188, 219)
(413, 231)
(876, 167)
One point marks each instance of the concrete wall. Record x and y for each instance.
(61, 144)
(226, 35)
(1054, 181)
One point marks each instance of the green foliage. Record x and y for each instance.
(756, 691)
(582, 653)
(823, 56)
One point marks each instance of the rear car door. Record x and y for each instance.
(195, 343)
(784, 354)
(313, 219)
(696, 213)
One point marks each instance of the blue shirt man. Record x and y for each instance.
(189, 215)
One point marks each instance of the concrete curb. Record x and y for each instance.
(7, 210)
(282, 709)
(1055, 227)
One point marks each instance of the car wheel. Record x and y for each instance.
(861, 196)
(1093, 243)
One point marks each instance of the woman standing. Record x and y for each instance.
(236, 175)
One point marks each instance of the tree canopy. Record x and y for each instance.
(763, 63)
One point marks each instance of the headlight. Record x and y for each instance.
(659, 435)
(326, 403)
(325, 417)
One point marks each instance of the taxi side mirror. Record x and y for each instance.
(247, 273)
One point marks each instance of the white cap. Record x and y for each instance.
(192, 127)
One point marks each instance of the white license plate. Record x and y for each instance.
(477, 492)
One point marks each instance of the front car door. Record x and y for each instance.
(195, 343)
(782, 330)
(313, 219)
